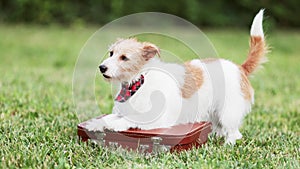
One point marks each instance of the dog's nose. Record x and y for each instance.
(103, 68)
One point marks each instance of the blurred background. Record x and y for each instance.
(233, 13)
(40, 41)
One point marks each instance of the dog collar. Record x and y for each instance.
(129, 90)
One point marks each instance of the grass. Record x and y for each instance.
(38, 120)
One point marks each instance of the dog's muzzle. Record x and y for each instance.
(103, 69)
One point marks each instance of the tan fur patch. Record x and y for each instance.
(256, 55)
(245, 85)
(193, 80)
(150, 50)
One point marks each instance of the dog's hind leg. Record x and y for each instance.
(230, 120)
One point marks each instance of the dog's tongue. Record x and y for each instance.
(129, 90)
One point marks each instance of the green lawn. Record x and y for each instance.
(38, 120)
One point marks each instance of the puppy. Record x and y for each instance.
(154, 94)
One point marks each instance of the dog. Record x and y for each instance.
(154, 94)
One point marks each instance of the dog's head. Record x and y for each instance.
(126, 59)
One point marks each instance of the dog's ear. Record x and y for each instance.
(150, 50)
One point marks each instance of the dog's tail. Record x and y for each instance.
(258, 47)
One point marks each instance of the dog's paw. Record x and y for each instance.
(109, 122)
(120, 128)
(232, 137)
(119, 125)
(95, 125)
(219, 132)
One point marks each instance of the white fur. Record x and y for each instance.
(257, 28)
(159, 103)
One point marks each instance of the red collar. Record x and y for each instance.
(129, 90)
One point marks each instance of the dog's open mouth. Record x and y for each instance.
(107, 77)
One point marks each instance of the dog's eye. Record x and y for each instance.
(111, 53)
(124, 58)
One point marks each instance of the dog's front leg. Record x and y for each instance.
(120, 124)
(102, 123)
